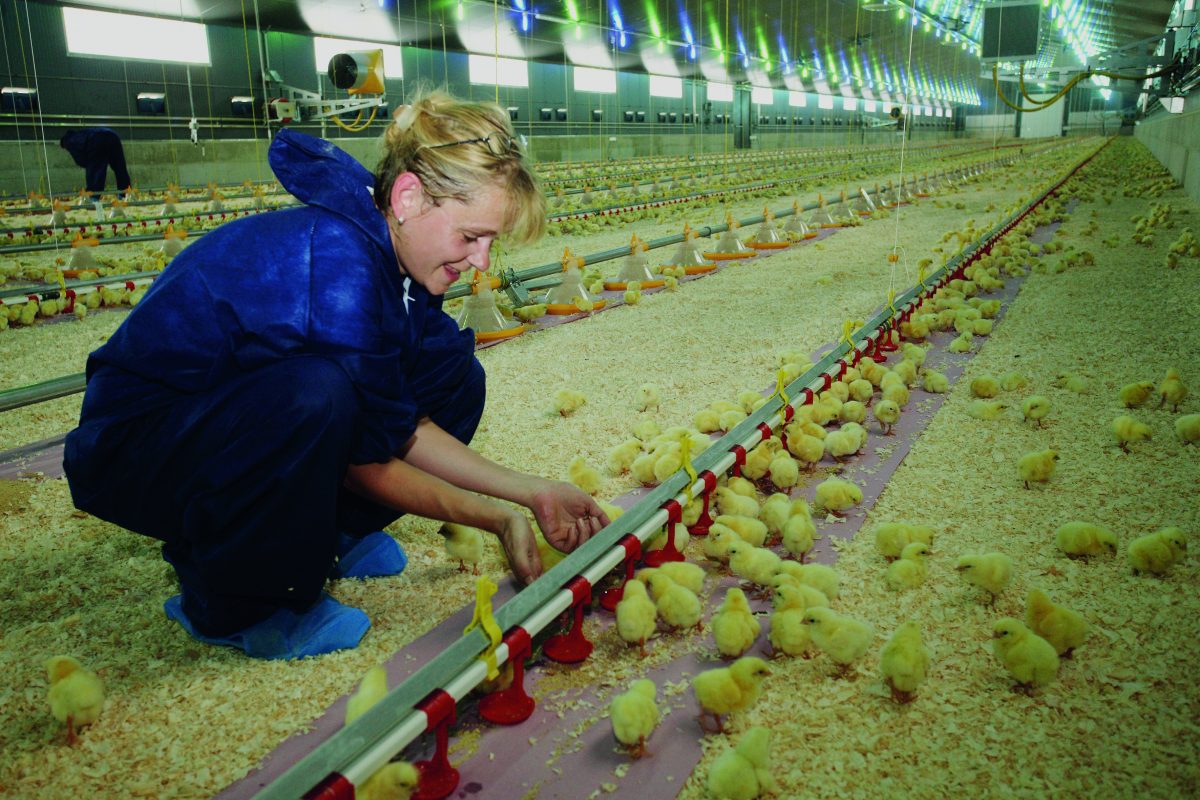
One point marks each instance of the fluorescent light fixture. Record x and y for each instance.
(869, 106)
(128, 36)
(762, 95)
(666, 86)
(849, 104)
(600, 81)
(326, 48)
(929, 111)
(1172, 104)
(825, 100)
(496, 71)
(721, 92)
(797, 99)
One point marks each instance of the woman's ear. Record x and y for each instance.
(406, 196)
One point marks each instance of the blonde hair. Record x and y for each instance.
(435, 118)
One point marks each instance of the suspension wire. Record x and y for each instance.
(41, 126)
(996, 91)
(905, 133)
(8, 68)
(250, 80)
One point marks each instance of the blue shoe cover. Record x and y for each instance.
(375, 555)
(326, 626)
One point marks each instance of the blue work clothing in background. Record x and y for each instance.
(97, 149)
(271, 354)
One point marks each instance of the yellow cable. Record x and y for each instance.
(354, 127)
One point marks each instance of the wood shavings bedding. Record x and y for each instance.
(184, 720)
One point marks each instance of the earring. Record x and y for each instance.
(399, 220)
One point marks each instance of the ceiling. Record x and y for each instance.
(781, 42)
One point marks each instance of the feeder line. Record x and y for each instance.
(540, 603)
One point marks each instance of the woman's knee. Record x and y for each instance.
(311, 391)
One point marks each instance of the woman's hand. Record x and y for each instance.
(520, 545)
(567, 516)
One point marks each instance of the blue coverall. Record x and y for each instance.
(97, 149)
(272, 353)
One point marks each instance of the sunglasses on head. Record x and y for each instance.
(497, 144)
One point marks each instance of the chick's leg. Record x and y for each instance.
(72, 737)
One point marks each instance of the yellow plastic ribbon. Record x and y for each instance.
(892, 302)
(780, 386)
(483, 618)
(685, 454)
(921, 277)
(848, 328)
(62, 281)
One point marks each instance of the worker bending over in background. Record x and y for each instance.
(97, 149)
(291, 385)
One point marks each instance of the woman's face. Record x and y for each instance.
(438, 243)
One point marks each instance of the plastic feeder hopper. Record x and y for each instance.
(796, 227)
(172, 241)
(635, 268)
(481, 314)
(82, 255)
(729, 246)
(570, 296)
(689, 256)
(769, 237)
(821, 218)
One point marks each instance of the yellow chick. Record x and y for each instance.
(659, 540)
(1156, 552)
(904, 661)
(835, 496)
(1035, 408)
(1029, 658)
(861, 390)
(749, 400)
(585, 476)
(1037, 466)
(989, 571)
(897, 394)
(1012, 381)
(1063, 628)
(734, 627)
(635, 715)
(807, 449)
(887, 412)
(678, 607)
(892, 537)
(744, 773)
(790, 635)
(1127, 429)
(1071, 382)
(649, 396)
(743, 487)
(914, 353)
(395, 781)
(715, 546)
(775, 513)
(987, 409)
(757, 565)
(621, 457)
(567, 401)
(842, 444)
(76, 694)
(934, 382)
(853, 411)
(1081, 539)
(818, 576)
(758, 460)
(1134, 394)
(530, 313)
(985, 386)
(751, 530)
(1172, 390)
(734, 504)
(637, 616)
(465, 544)
(798, 534)
(726, 690)
(371, 690)
(906, 370)
(632, 297)
(784, 471)
(789, 593)
(843, 639)
(686, 574)
(1187, 428)
(908, 571)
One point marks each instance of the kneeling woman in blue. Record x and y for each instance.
(290, 385)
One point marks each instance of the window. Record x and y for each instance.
(326, 49)
(869, 106)
(797, 99)
(722, 92)
(849, 104)
(592, 79)
(762, 95)
(127, 36)
(494, 70)
(666, 86)
(929, 111)
(825, 100)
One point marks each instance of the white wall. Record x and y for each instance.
(1175, 141)
(1044, 123)
(988, 125)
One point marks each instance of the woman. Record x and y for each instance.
(291, 385)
